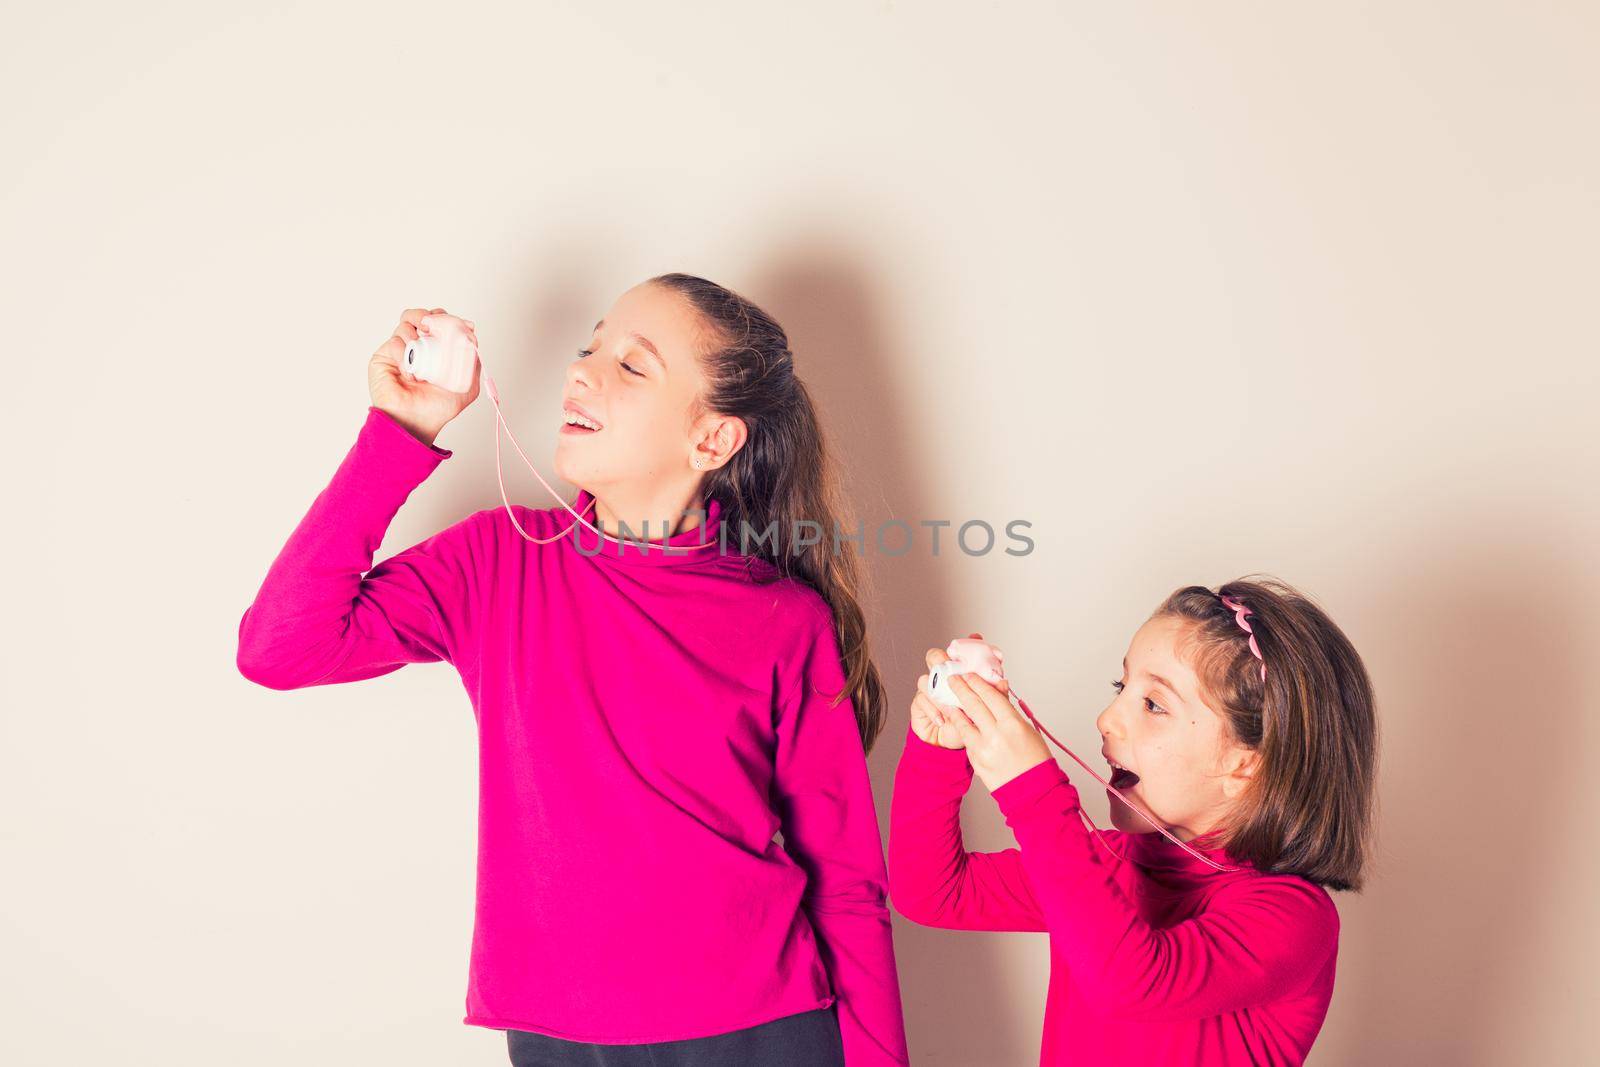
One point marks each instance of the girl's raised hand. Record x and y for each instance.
(928, 719)
(931, 720)
(1000, 742)
(419, 406)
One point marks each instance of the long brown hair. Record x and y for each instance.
(785, 473)
(1308, 808)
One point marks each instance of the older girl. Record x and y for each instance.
(651, 713)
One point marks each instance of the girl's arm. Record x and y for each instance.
(1260, 939)
(316, 620)
(824, 798)
(935, 881)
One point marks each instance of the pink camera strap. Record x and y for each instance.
(1149, 818)
(494, 397)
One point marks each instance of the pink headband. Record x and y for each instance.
(1239, 612)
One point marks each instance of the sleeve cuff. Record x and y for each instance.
(1024, 791)
(926, 752)
(378, 417)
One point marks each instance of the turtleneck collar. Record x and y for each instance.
(1155, 852)
(683, 548)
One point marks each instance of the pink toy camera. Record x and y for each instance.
(444, 353)
(967, 656)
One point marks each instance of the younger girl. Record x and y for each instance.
(650, 715)
(1242, 721)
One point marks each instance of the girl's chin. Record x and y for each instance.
(568, 468)
(1125, 818)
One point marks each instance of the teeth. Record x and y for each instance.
(574, 419)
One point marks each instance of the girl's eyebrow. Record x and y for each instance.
(1157, 679)
(642, 341)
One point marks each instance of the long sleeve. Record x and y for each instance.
(823, 796)
(933, 879)
(1259, 939)
(316, 620)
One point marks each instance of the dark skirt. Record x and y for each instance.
(809, 1039)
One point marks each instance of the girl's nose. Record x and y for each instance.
(1106, 722)
(578, 371)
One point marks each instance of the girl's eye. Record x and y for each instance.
(589, 352)
(1150, 705)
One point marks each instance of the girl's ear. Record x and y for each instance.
(1241, 766)
(727, 434)
(731, 435)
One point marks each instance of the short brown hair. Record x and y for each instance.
(1308, 808)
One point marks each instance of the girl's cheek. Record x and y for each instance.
(1173, 774)
(1158, 755)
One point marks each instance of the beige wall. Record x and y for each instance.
(1198, 290)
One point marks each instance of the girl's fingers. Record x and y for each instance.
(996, 703)
(406, 328)
(971, 703)
(945, 712)
(924, 701)
(935, 657)
(391, 350)
(921, 713)
(970, 735)
(929, 709)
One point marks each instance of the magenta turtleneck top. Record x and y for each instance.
(1156, 958)
(648, 723)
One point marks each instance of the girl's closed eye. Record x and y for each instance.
(625, 366)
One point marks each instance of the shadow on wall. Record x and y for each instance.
(1474, 654)
(962, 1001)
(1485, 701)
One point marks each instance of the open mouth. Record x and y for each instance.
(1121, 777)
(575, 423)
